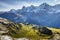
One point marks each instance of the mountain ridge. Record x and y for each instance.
(43, 14)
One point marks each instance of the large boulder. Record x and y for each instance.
(45, 30)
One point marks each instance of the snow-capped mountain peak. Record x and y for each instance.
(44, 14)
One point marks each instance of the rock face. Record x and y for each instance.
(3, 20)
(3, 28)
(6, 37)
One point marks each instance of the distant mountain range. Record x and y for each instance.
(42, 15)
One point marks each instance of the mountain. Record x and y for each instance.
(57, 7)
(42, 15)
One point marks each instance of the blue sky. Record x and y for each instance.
(6, 5)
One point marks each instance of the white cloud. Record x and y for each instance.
(7, 6)
(55, 0)
(19, 5)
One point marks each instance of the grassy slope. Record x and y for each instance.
(27, 32)
(55, 30)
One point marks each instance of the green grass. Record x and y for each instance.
(26, 31)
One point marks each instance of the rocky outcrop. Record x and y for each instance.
(3, 28)
(6, 37)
